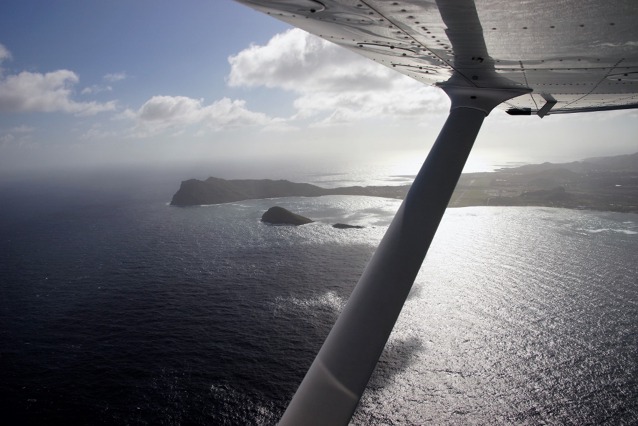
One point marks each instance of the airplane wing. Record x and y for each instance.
(575, 55)
(530, 57)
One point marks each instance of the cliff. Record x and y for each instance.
(195, 192)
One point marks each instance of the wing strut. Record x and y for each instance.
(333, 385)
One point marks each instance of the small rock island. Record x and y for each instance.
(347, 226)
(280, 216)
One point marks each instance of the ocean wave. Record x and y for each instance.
(329, 300)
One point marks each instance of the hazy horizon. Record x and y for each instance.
(210, 90)
(246, 168)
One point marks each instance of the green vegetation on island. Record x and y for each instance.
(604, 183)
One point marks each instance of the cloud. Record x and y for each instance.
(96, 88)
(331, 81)
(22, 129)
(6, 139)
(298, 61)
(161, 113)
(50, 92)
(97, 131)
(16, 135)
(176, 109)
(403, 101)
(114, 77)
(4, 53)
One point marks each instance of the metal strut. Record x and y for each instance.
(333, 385)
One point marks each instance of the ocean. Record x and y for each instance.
(116, 308)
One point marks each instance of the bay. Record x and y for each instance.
(117, 308)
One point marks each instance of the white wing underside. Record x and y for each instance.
(575, 55)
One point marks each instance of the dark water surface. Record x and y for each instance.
(116, 308)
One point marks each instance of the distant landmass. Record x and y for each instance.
(213, 190)
(602, 183)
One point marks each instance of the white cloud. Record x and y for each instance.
(178, 112)
(96, 131)
(96, 89)
(4, 53)
(113, 77)
(22, 129)
(7, 139)
(50, 92)
(176, 109)
(301, 62)
(16, 135)
(331, 81)
(405, 101)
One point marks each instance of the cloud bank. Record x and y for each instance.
(331, 86)
(49, 92)
(330, 81)
(174, 112)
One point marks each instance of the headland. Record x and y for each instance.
(602, 183)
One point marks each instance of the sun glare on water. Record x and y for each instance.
(409, 165)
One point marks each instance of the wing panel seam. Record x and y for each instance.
(597, 84)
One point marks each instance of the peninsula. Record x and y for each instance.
(213, 190)
(603, 183)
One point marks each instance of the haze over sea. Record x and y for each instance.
(116, 308)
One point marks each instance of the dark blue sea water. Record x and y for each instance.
(116, 308)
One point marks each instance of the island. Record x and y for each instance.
(280, 216)
(346, 226)
(602, 183)
(214, 190)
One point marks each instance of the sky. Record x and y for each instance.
(147, 82)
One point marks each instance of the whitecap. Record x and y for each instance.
(330, 300)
